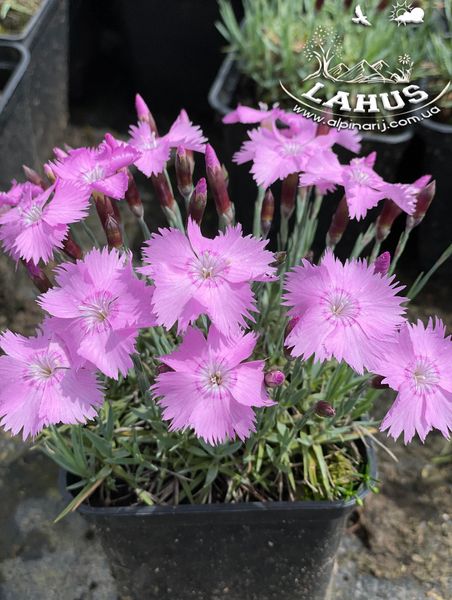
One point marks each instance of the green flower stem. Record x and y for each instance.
(257, 212)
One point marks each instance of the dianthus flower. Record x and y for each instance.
(39, 221)
(40, 385)
(101, 305)
(418, 367)
(346, 311)
(210, 389)
(194, 275)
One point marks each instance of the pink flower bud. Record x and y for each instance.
(382, 263)
(198, 201)
(59, 153)
(339, 224)
(385, 221)
(49, 173)
(71, 248)
(144, 114)
(38, 276)
(185, 165)
(218, 187)
(424, 199)
(34, 177)
(133, 197)
(267, 212)
(163, 191)
(324, 409)
(274, 378)
(288, 195)
(113, 232)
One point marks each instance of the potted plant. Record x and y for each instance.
(41, 26)
(210, 407)
(274, 42)
(436, 139)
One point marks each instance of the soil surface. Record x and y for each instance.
(397, 547)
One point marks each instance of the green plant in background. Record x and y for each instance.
(273, 44)
(14, 14)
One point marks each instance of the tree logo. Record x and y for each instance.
(325, 46)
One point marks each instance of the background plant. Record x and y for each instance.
(270, 43)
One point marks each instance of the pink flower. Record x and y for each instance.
(246, 114)
(195, 275)
(41, 387)
(418, 367)
(363, 187)
(277, 153)
(101, 305)
(345, 311)
(97, 169)
(38, 223)
(155, 151)
(210, 388)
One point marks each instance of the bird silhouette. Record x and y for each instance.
(360, 19)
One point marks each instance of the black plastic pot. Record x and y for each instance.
(33, 24)
(249, 551)
(435, 233)
(15, 118)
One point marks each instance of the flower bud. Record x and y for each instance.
(163, 191)
(113, 232)
(185, 165)
(59, 153)
(288, 195)
(198, 201)
(338, 225)
(144, 114)
(218, 187)
(324, 409)
(382, 263)
(34, 177)
(424, 199)
(267, 212)
(49, 173)
(71, 248)
(133, 197)
(274, 378)
(385, 221)
(37, 275)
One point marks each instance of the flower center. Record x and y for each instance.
(292, 148)
(360, 176)
(424, 375)
(340, 306)
(97, 311)
(44, 367)
(150, 143)
(32, 215)
(216, 378)
(94, 175)
(207, 267)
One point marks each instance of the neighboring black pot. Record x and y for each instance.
(46, 39)
(16, 131)
(247, 551)
(435, 233)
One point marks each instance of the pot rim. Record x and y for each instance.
(17, 73)
(335, 506)
(32, 23)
